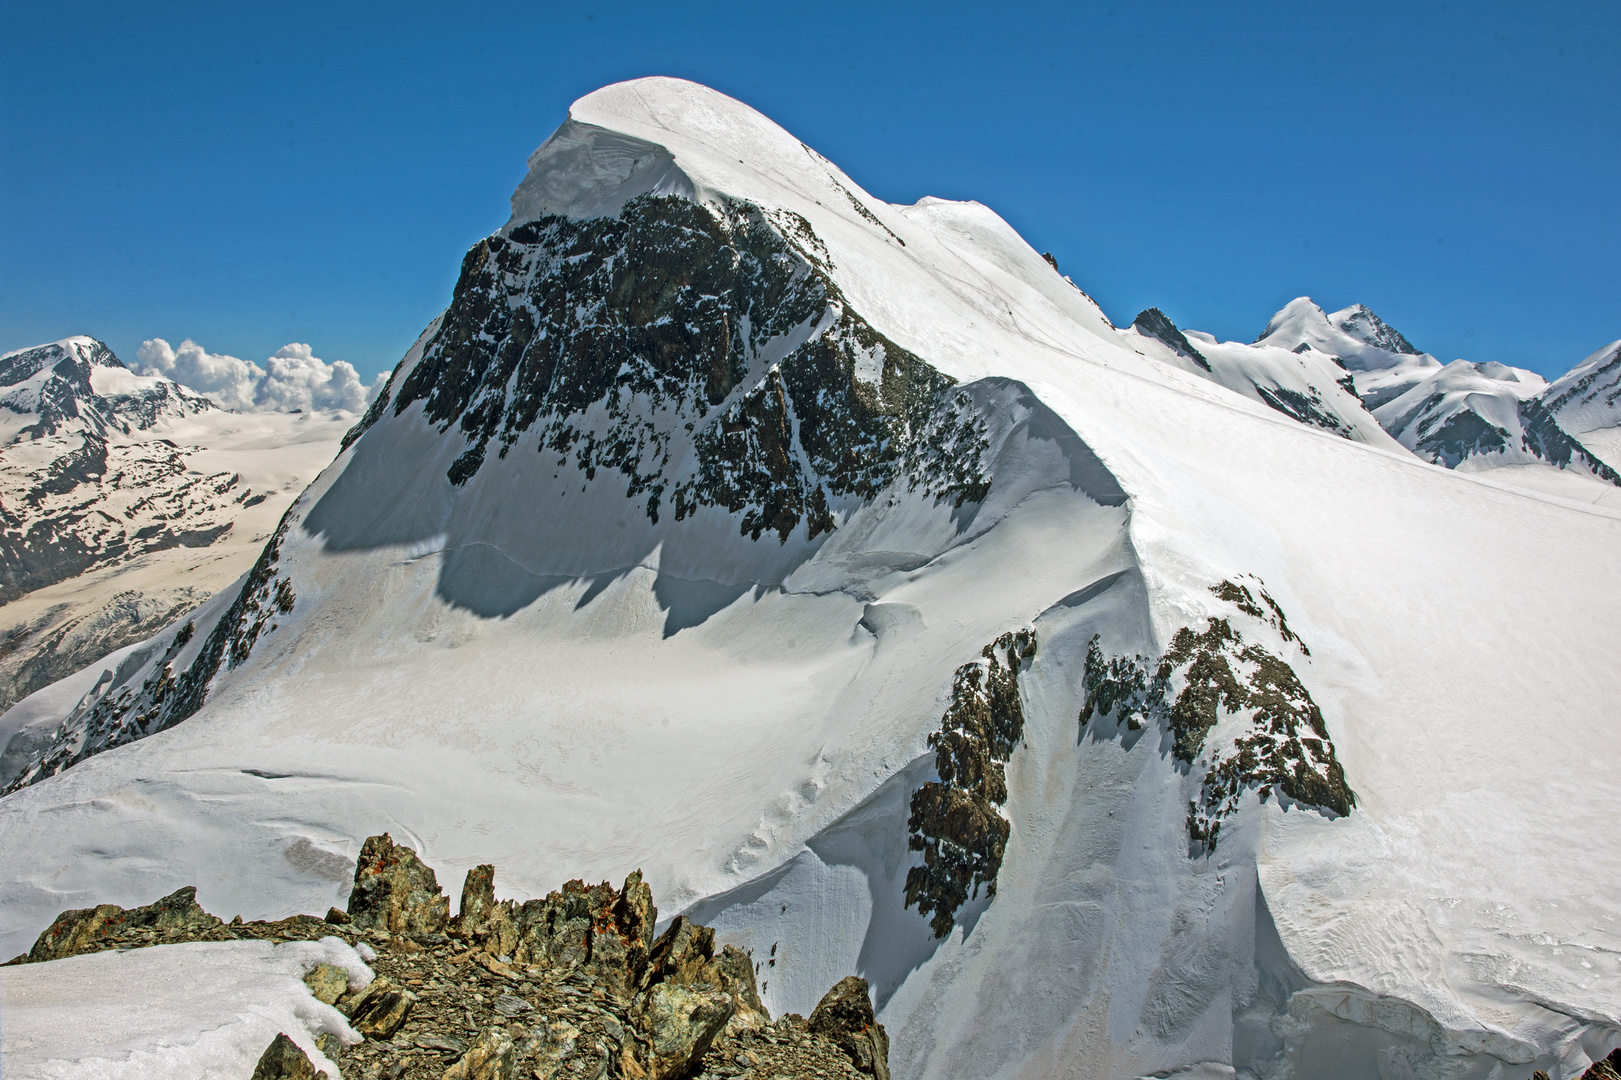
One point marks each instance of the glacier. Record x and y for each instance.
(676, 572)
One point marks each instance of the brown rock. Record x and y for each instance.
(328, 983)
(335, 916)
(681, 953)
(283, 1060)
(1608, 1069)
(845, 1016)
(489, 1058)
(76, 932)
(394, 891)
(733, 971)
(379, 1010)
(680, 1023)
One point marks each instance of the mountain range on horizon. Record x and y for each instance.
(1116, 701)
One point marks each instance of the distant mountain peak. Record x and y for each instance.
(1360, 322)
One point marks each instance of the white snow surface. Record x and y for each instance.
(202, 1009)
(524, 671)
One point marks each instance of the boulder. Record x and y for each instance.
(679, 1023)
(328, 983)
(283, 1060)
(395, 891)
(379, 1010)
(489, 1058)
(845, 1016)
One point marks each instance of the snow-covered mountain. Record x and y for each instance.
(1586, 402)
(1382, 363)
(841, 567)
(1303, 384)
(125, 501)
(1353, 374)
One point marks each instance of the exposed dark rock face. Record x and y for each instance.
(956, 821)
(619, 339)
(845, 1016)
(283, 1060)
(53, 519)
(1364, 325)
(1156, 324)
(1206, 676)
(444, 1004)
(702, 356)
(1542, 435)
(1305, 408)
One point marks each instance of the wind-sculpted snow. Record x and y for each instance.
(1208, 677)
(714, 329)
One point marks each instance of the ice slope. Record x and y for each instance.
(1305, 385)
(525, 669)
(125, 501)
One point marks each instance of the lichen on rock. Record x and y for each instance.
(956, 821)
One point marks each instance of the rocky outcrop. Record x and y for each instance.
(1207, 676)
(283, 1060)
(177, 916)
(394, 891)
(845, 1016)
(956, 821)
(598, 997)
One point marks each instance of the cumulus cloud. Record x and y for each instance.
(293, 378)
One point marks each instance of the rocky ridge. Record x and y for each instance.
(1206, 678)
(574, 985)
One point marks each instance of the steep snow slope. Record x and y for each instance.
(682, 531)
(1305, 385)
(1586, 401)
(125, 501)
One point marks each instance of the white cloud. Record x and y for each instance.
(293, 378)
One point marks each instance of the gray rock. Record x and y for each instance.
(680, 1023)
(79, 931)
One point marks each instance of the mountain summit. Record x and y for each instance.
(838, 565)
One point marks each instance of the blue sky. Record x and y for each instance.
(252, 176)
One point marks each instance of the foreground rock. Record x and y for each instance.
(574, 986)
(283, 1060)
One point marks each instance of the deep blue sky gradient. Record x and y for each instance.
(249, 176)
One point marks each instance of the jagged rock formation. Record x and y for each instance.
(1208, 677)
(616, 340)
(1155, 323)
(571, 986)
(956, 821)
